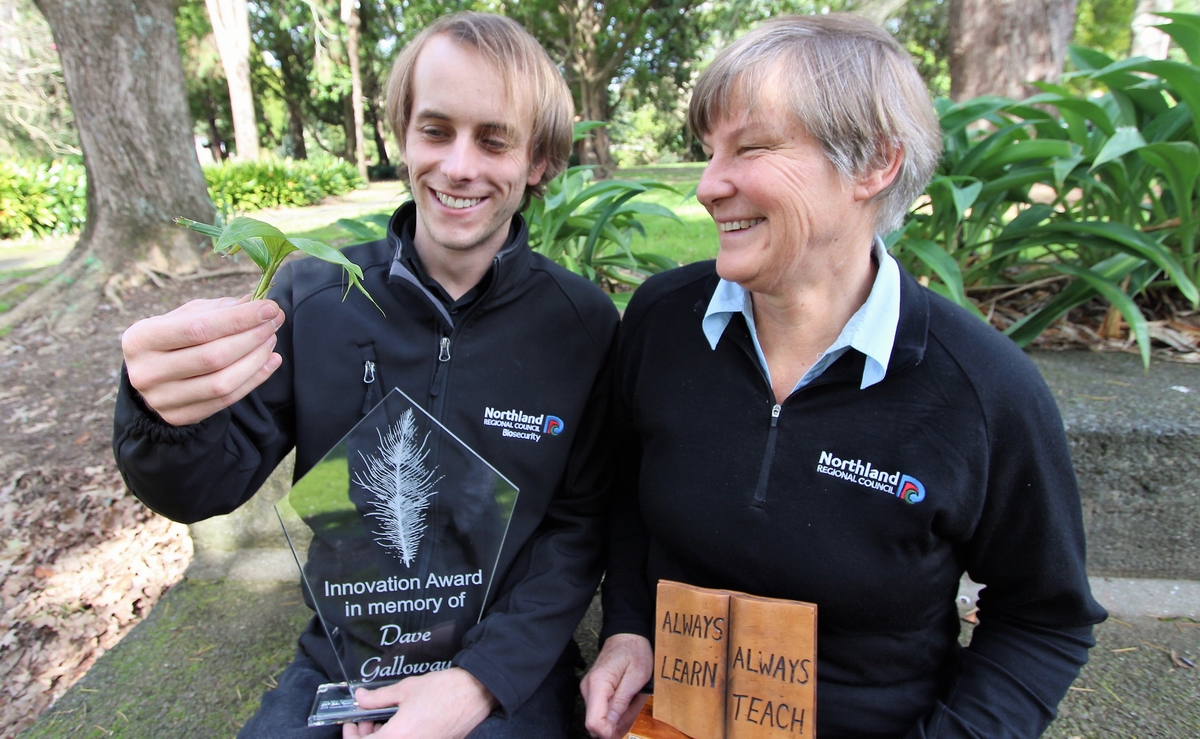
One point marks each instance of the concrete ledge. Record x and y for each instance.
(244, 565)
(1135, 438)
(1122, 598)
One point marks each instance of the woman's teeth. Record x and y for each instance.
(738, 225)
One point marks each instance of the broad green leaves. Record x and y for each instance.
(1100, 189)
(588, 227)
(267, 247)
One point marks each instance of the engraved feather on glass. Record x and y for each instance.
(401, 486)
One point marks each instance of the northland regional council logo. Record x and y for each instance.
(516, 424)
(908, 489)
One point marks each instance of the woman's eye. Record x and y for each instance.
(495, 144)
(433, 133)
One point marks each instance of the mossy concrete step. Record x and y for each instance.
(194, 669)
(1135, 445)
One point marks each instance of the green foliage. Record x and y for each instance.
(41, 199)
(1100, 195)
(588, 226)
(270, 183)
(267, 247)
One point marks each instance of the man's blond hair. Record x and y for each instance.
(847, 83)
(532, 83)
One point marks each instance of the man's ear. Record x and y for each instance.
(536, 170)
(876, 181)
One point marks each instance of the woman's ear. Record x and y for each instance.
(875, 181)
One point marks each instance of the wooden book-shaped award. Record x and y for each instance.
(690, 653)
(729, 665)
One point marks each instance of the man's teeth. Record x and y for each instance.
(738, 225)
(450, 202)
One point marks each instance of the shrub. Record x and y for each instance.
(42, 199)
(1096, 192)
(240, 187)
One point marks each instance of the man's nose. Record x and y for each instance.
(462, 162)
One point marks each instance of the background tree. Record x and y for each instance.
(1146, 40)
(35, 118)
(231, 26)
(350, 20)
(998, 46)
(125, 81)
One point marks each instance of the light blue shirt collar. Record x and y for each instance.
(871, 330)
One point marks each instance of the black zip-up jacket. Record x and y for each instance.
(537, 340)
(868, 502)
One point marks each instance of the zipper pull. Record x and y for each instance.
(775, 414)
(368, 372)
(444, 354)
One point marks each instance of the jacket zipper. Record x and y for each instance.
(437, 389)
(764, 473)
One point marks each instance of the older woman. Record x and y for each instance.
(749, 388)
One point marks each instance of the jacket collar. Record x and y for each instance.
(508, 266)
(912, 330)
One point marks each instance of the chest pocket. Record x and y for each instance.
(372, 385)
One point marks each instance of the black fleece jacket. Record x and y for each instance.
(868, 502)
(536, 340)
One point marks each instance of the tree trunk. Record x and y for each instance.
(380, 139)
(125, 82)
(1144, 38)
(997, 46)
(231, 27)
(214, 139)
(594, 148)
(584, 25)
(350, 18)
(296, 129)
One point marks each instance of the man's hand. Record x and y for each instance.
(202, 357)
(446, 704)
(623, 667)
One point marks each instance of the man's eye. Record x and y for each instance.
(495, 144)
(433, 133)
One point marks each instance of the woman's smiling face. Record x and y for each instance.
(780, 207)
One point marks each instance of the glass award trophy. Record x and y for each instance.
(397, 532)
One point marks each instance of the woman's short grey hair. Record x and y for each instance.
(848, 84)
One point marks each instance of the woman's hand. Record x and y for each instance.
(623, 667)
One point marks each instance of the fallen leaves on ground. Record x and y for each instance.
(82, 562)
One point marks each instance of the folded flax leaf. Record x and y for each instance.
(267, 246)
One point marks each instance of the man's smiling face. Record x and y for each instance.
(467, 150)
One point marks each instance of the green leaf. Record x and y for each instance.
(358, 230)
(1036, 150)
(621, 300)
(964, 197)
(204, 228)
(1125, 140)
(1180, 162)
(1126, 239)
(582, 128)
(327, 253)
(936, 258)
(1184, 30)
(1063, 167)
(1115, 295)
(1077, 293)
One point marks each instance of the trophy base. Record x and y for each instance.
(335, 704)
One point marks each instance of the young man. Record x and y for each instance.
(217, 392)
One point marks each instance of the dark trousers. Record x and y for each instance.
(284, 710)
